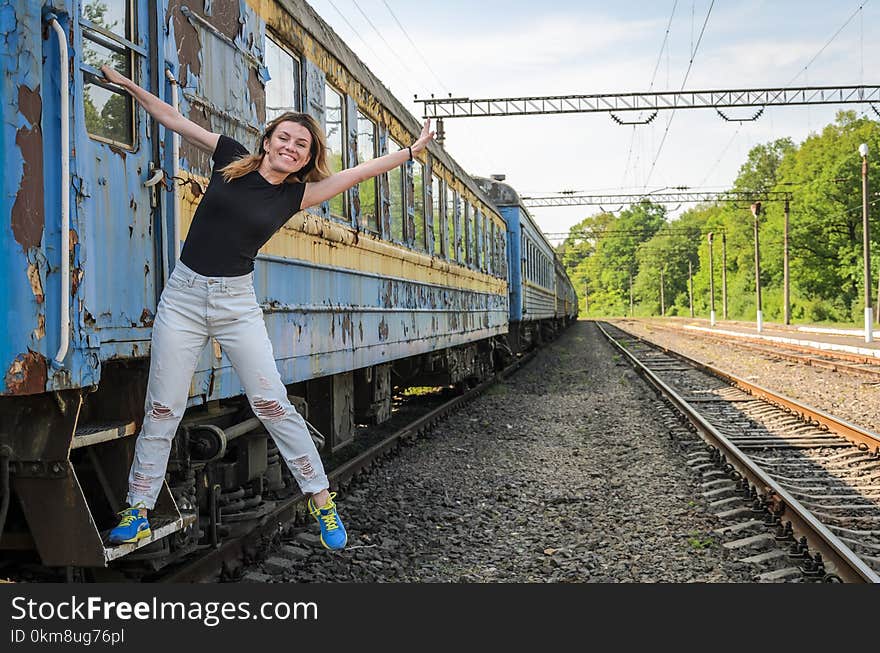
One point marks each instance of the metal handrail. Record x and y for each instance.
(64, 338)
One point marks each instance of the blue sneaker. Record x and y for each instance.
(132, 527)
(333, 535)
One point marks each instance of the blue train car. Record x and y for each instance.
(403, 278)
(542, 297)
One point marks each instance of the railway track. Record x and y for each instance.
(798, 489)
(218, 562)
(839, 361)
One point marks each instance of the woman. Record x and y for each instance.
(211, 294)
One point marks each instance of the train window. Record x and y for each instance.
(366, 150)
(450, 223)
(484, 244)
(466, 237)
(396, 196)
(334, 117)
(478, 238)
(419, 205)
(283, 87)
(491, 245)
(472, 242)
(440, 221)
(530, 261)
(107, 28)
(502, 251)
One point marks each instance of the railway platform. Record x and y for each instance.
(832, 339)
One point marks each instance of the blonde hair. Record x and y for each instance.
(315, 170)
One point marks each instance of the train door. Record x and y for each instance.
(114, 171)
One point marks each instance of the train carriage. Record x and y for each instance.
(542, 297)
(405, 274)
(409, 279)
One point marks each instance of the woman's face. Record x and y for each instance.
(288, 149)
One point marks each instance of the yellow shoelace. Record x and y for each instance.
(330, 521)
(127, 520)
(330, 518)
(128, 516)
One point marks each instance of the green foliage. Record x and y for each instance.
(825, 238)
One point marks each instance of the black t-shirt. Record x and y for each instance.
(235, 219)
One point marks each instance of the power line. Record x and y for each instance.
(379, 34)
(651, 86)
(834, 36)
(415, 47)
(721, 156)
(684, 81)
(357, 33)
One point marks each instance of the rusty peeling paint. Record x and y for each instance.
(27, 375)
(188, 45)
(76, 276)
(40, 331)
(226, 17)
(383, 330)
(147, 318)
(33, 273)
(197, 157)
(27, 212)
(89, 319)
(347, 328)
(258, 95)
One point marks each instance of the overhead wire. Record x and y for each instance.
(651, 86)
(382, 37)
(378, 57)
(684, 81)
(834, 36)
(415, 47)
(357, 33)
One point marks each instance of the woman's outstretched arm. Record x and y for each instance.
(320, 191)
(164, 113)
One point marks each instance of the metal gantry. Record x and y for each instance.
(449, 107)
(570, 199)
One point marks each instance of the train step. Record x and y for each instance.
(160, 526)
(95, 433)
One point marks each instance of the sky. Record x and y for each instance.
(513, 48)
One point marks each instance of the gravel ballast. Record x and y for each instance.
(566, 472)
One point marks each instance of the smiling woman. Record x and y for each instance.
(211, 294)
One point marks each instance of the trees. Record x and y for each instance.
(825, 243)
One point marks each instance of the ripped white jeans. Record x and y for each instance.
(192, 309)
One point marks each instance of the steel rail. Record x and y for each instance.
(839, 558)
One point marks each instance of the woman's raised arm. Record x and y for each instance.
(320, 191)
(164, 113)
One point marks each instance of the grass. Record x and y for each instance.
(699, 542)
(421, 391)
(498, 389)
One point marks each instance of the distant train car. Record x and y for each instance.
(542, 297)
